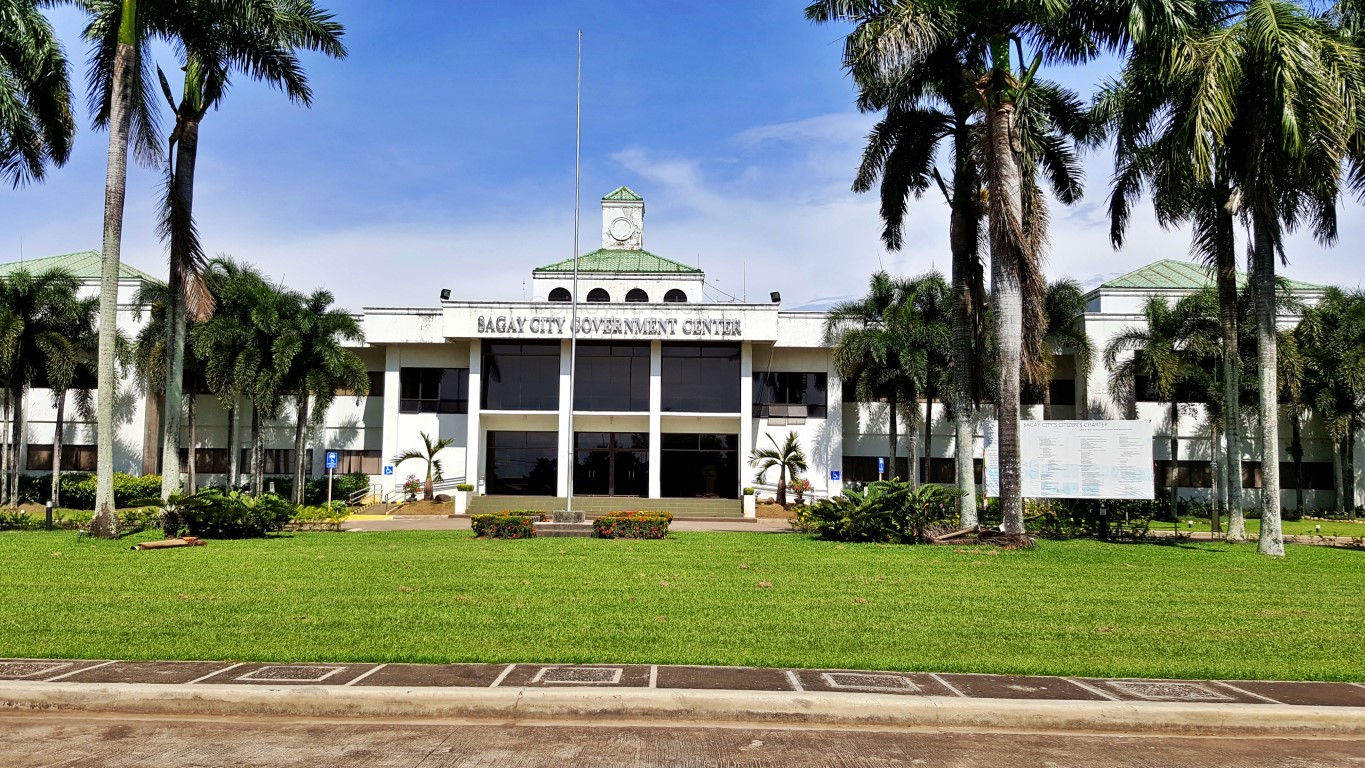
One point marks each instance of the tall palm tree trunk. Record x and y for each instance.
(1296, 453)
(192, 454)
(4, 446)
(895, 442)
(1349, 456)
(257, 451)
(55, 497)
(964, 231)
(16, 437)
(928, 435)
(233, 445)
(182, 192)
(1007, 254)
(300, 444)
(105, 522)
(1226, 275)
(1271, 540)
(1339, 476)
(1220, 477)
(1175, 461)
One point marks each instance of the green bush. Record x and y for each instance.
(232, 515)
(505, 525)
(632, 525)
(78, 489)
(466, 487)
(321, 513)
(887, 511)
(130, 520)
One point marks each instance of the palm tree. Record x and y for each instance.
(260, 41)
(896, 36)
(150, 359)
(37, 311)
(243, 349)
(873, 349)
(788, 458)
(1278, 93)
(36, 125)
(1063, 303)
(72, 375)
(428, 454)
(1165, 352)
(1331, 336)
(319, 366)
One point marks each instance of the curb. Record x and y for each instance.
(692, 706)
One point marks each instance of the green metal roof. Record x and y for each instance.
(84, 265)
(612, 260)
(623, 193)
(1170, 274)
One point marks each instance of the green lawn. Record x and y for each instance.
(1079, 608)
(1348, 528)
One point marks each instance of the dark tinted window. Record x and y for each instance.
(612, 377)
(699, 466)
(675, 295)
(791, 397)
(523, 463)
(701, 378)
(636, 294)
(598, 294)
(433, 390)
(521, 377)
(560, 294)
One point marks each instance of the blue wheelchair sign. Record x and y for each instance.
(835, 474)
(333, 459)
(388, 470)
(881, 465)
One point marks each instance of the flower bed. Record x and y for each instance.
(515, 524)
(633, 525)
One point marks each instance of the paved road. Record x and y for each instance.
(53, 741)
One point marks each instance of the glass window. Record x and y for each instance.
(675, 296)
(789, 398)
(598, 294)
(612, 377)
(433, 390)
(376, 385)
(521, 377)
(636, 294)
(699, 466)
(211, 460)
(277, 461)
(701, 378)
(561, 294)
(523, 463)
(366, 462)
(75, 458)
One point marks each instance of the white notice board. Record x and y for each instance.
(1078, 459)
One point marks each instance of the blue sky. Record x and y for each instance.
(440, 154)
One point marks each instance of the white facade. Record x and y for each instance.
(670, 393)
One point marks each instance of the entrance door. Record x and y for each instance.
(611, 464)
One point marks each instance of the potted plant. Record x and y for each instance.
(462, 493)
(750, 503)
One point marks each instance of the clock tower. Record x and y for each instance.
(623, 221)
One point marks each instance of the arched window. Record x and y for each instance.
(560, 294)
(598, 294)
(637, 294)
(675, 295)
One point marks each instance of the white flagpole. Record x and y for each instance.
(573, 309)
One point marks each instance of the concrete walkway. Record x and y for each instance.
(438, 523)
(640, 693)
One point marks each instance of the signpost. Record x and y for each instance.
(333, 461)
(881, 466)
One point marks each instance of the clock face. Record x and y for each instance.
(621, 229)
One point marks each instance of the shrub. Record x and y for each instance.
(232, 515)
(78, 489)
(466, 487)
(633, 525)
(321, 513)
(888, 511)
(505, 525)
(799, 488)
(412, 486)
(748, 491)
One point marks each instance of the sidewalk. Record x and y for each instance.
(439, 523)
(649, 693)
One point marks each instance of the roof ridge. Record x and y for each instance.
(623, 193)
(632, 260)
(83, 264)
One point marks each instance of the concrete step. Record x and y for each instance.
(563, 530)
(597, 505)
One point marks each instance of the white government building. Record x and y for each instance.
(672, 392)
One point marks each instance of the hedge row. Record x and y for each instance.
(633, 525)
(514, 524)
(78, 488)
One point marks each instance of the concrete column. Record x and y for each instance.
(746, 412)
(473, 441)
(656, 403)
(392, 392)
(566, 453)
(834, 424)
